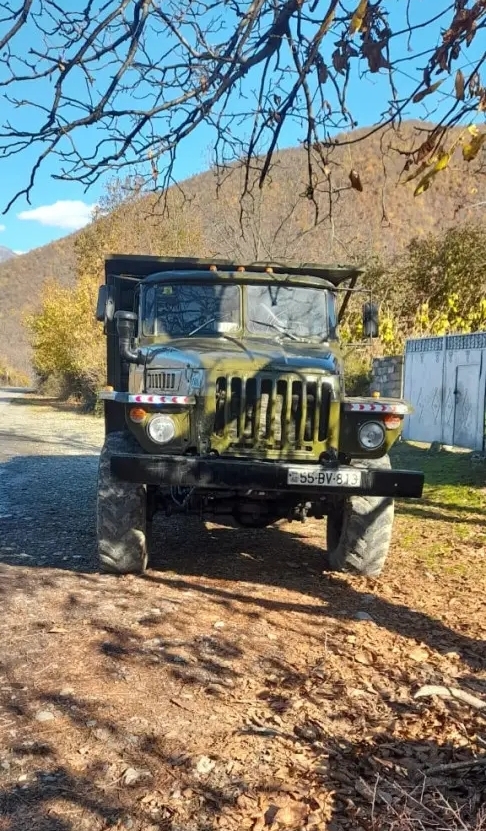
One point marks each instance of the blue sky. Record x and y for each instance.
(57, 208)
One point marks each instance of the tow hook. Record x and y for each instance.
(300, 513)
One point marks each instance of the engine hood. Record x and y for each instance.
(227, 356)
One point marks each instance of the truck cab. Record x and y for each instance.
(226, 397)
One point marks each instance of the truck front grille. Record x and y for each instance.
(157, 380)
(279, 412)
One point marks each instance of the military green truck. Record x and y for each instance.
(226, 398)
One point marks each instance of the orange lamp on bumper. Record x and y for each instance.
(137, 414)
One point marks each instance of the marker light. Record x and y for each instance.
(137, 414)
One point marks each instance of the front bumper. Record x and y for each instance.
(236, 474)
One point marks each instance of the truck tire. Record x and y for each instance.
(359, 530)
(121, 514)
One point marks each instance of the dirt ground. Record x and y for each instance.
(235, 686)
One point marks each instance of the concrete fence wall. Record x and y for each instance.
(445, 382)
(388, 376)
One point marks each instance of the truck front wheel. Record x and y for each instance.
(359, 530)
(121, 514)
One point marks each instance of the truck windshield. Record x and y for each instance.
(182, 310)
(295, 312)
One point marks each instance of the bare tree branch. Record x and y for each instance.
(119, 85)
(451, 692)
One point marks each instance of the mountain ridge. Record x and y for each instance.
(6, 254)
(277, 222)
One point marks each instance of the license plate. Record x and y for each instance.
(324, 478)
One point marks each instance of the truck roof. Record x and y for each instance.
(142, 266)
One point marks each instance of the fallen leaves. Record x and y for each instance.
(205, 765)
(336, 729)
(131, 776)
(282, 812)
(291, 815)
(364, 658)
(419, 654)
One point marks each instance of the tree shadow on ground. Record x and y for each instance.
(382, 781)
(443, 468)
(445, 513)
(79, 783)
(47, 507)
(67, 405)
(10, 438)
(48, 521)
(280, 558)
(16, 390)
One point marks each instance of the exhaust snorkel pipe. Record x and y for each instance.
(125, 327)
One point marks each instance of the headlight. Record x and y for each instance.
(371, 435)
(161, 429)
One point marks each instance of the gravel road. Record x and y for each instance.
(48, 464)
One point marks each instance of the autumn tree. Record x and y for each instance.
(122, 85)
(267, 224)
(443, 282)
(68, 343)
(436, 287)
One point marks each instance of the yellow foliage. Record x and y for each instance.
(389, 334)
(67, 341)
(358, 17)
(450, 319)
(65, 335)
(441, 164)
(471, 150)
(351, 329)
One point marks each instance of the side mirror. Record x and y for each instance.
(105, 307)
(371, 320)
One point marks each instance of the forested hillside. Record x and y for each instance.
(375, 223)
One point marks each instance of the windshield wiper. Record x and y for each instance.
(283, 331)
(198, 328)
(221, 335)
(206, 323)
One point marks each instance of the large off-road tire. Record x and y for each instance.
(359, 530)
(121, 514)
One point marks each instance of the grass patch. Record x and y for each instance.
(449, 522)
(451, 478)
